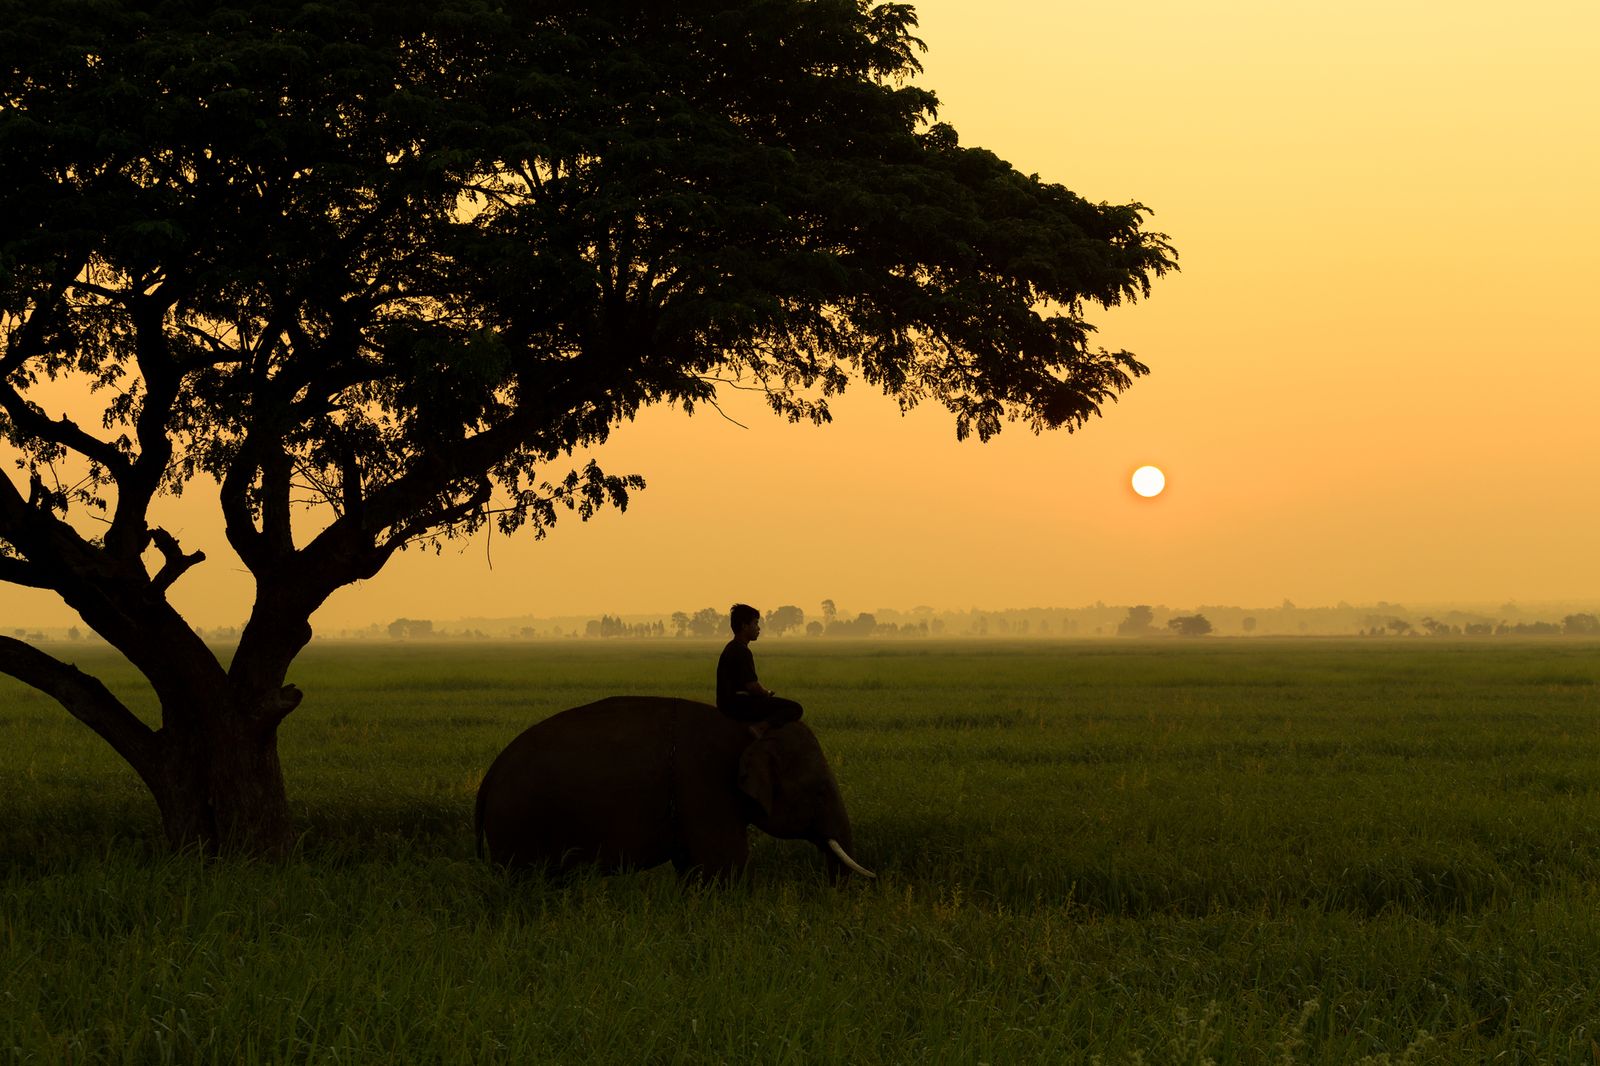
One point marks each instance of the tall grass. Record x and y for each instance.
(1250, 852)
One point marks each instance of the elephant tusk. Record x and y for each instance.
(844, 857)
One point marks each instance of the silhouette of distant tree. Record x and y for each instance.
(1580, 625)
(1138, 623)
(680, 623)
(708, 622)
(1248, 624)
(402, 260)
(829, 613)
(1529, 629)
(862, 625)
(1191, 625)
(613, 626)
(814, 629)
(785, 618)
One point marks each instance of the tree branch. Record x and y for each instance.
(32, 421)
(35, 533)
(176, 562)
(240, 525)
(108, 295)
(274, 539)
(27, 340)
(350, 483)
(113, 595)
(442, 518)
(277, 525)
(85, 698)
(128, 535)
(221, 353)
(14, 571)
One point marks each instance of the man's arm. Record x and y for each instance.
(753, 686)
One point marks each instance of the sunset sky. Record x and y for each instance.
(1376, 378)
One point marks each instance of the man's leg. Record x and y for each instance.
(780, 711)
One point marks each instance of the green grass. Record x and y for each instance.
(1235, 851)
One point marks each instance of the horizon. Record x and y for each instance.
(507, 626)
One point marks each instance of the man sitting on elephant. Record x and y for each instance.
(740, 695)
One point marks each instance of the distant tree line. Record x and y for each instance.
(1141, 623)
(1573, 625)
(609, 626)
(711, 622)
(1142, 620)
(423, 629)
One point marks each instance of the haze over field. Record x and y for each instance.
(1373, 380)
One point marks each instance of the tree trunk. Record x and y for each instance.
(220, 789)
(213, 766)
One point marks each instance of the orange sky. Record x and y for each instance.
(1376, 377)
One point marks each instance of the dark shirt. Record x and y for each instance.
(735, 669)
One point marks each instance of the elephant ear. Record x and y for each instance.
(758, 774)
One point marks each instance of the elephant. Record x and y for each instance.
(630, 782)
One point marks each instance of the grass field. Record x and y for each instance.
(1163, 852)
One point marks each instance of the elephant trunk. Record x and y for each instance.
(834, 840)
(831, 834)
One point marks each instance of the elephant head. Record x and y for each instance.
(796, 796)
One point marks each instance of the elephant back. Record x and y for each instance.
(616, 736)
(601, 772)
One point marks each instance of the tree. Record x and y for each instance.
(376, 270)
(1189, 625)
(862, 625)
(1580, 625)
(785, 618)
(1138, 623)
(708, 622)
(1248, 624)
(829, 613)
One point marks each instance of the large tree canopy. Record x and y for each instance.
(404, 259)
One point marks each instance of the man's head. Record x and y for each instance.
(745, 621)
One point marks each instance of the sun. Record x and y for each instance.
(1149, 481)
